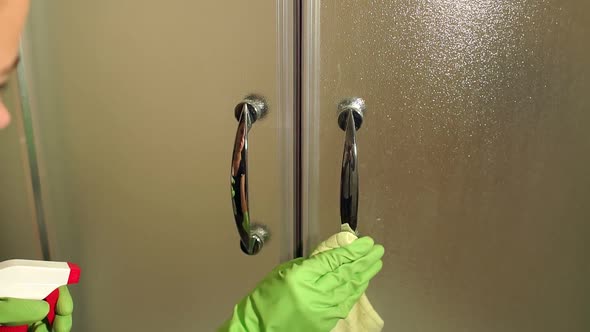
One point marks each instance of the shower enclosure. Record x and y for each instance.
(473, 155)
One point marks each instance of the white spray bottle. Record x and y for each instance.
(35, 280)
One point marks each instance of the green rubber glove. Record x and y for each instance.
(309, 294)
(15, 312)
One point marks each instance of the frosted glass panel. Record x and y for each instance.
(474, 157)
(133, 105)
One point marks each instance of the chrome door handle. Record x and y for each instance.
(252, 237)
(350, 119)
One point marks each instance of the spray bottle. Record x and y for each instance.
(35, 280)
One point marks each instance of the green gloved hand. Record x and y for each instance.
(309, 294)
(16, 312)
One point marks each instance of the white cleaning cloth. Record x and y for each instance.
(362, 317)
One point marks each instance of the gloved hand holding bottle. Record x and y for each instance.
(309, 294)
(34, 296)
(18, 312)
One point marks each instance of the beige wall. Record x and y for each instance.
(18, 229)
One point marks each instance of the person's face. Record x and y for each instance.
(12, 19)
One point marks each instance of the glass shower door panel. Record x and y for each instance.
(474, 156)
(133, 103)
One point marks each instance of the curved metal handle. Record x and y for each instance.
(350, 119)
(252, 237)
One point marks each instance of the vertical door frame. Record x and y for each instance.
(310, 126)
(32, 157)
(288, 101)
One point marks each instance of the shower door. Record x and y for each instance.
(474, 153)
(474, 156)
(133, 110)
